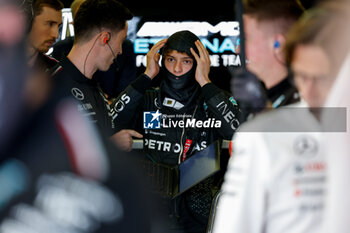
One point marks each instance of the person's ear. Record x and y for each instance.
(278, 44)
(106, 37)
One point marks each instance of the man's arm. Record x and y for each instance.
(124, 107)
(222, 107)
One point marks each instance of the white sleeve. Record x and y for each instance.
(241, 207)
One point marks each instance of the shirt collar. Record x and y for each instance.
(75, 74)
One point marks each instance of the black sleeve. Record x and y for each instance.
(222, 106)
(126, 105)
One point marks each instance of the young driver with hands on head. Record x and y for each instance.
(185, 94)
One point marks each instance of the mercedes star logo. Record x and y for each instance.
(77, 93)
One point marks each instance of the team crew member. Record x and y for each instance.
(185, 95)
(100, 28)
(119, 75)
(266, 23)
(45, 19)
(276, 181)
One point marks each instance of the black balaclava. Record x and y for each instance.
(182, 88)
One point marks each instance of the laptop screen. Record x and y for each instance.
(199, 166)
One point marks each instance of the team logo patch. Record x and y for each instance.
(306, 146)
(151, 120)
(77, 93)
(233, 101)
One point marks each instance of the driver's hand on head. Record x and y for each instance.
(153, 57)
(203, 64)
(123, 139)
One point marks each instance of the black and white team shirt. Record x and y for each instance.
(90, 98)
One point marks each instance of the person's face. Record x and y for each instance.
(45, 29)
(115, 43)
(259, 45)
(311, 68)
(178, 63)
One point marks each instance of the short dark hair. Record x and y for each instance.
(39, 4)
(284, 12)
(96, 14)
(75, 6)
(273, 9)
(323, 26)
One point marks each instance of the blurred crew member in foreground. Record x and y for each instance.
(276, 180)
(56, 173)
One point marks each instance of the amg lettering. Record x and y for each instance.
(226, 28)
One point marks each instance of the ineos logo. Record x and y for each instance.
(77, 93)
(120, 104)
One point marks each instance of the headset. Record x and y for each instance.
(106, 41)
(277, 44)
(107, 38)
(28, 9)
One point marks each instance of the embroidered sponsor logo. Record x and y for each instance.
(228, 115)
(165, 146)
(306, 146)
(77, 93)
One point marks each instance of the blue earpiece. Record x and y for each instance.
(277, 44)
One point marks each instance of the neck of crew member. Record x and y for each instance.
(32, 54)
(84, 59)
(275, 76)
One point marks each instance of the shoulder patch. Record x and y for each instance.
(232, 100)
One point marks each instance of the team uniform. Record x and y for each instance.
(275, 181)
(282, 94)
(179, 119)
(166, 144)
(254, 97)
(337, 151)
(90, 99)
(171, 145)
(46, 64)
(120, 74)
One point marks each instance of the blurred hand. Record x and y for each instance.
(153, 57)
(203, 64)
(123, 139)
